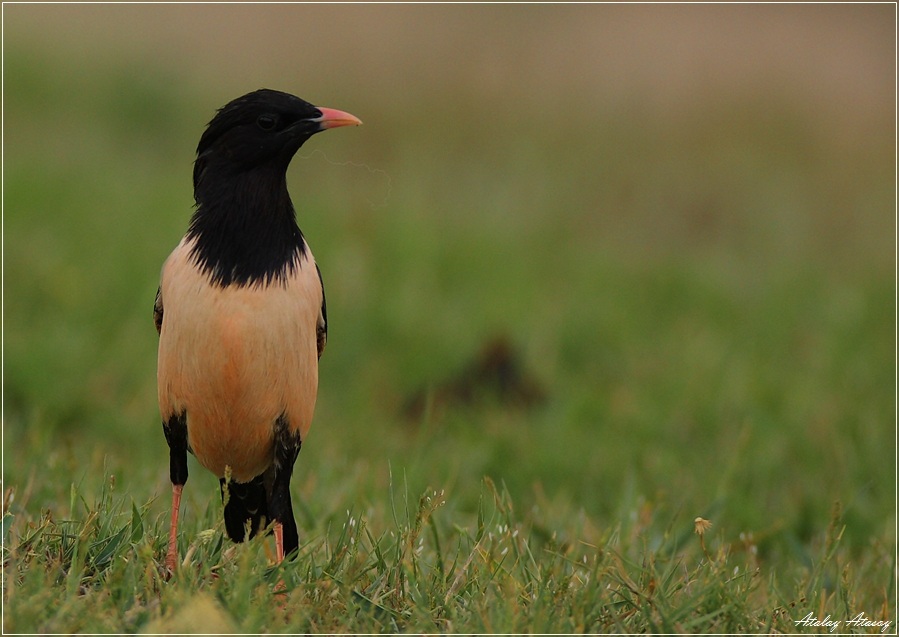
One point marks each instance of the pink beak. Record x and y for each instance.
(332, 118)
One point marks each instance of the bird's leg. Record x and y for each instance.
(279, 542)
(171, 557)
(175, 429)
(287, 446)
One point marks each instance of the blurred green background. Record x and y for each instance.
(681, 219)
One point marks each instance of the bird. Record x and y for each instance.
(242, 319)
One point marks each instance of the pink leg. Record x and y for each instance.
(279, 542)
(171, 557)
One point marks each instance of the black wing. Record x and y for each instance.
(157, 310)
(321, 333)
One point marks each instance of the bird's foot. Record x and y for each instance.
(171, 563)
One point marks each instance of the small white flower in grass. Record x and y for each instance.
(701, 525)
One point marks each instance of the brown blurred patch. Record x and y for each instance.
(835, 59)
(495, 375)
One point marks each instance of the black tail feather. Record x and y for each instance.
(244, 503)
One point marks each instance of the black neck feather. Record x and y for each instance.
(244, 228)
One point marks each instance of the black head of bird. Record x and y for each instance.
(244, 222)
(242, 319)
(261, 130)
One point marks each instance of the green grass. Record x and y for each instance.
(706, 299)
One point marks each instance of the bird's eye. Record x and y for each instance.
(266, 122)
